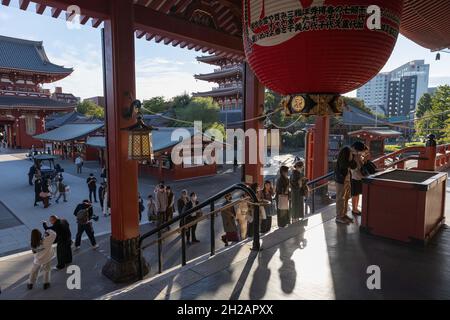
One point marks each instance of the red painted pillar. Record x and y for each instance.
(320, 150)
(427, 157)
(254, 107)
(123, 173)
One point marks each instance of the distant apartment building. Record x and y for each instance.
(375, 93)
(397, 93)
(100, 101)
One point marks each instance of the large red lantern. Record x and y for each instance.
(427, 22)
(316, 50)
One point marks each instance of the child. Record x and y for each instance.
(43, 255)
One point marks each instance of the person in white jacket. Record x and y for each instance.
(43, 255)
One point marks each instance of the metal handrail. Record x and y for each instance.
(313, 184)
(209, 202)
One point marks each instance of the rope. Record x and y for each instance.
(230, 123)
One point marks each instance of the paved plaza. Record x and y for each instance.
(313, 260)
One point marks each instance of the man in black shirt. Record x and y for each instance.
(84, 215)
(92, 186)
(63, 240)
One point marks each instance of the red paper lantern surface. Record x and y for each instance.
(427, 22)
(317, 46)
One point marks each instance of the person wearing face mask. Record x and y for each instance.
(190, 232)
(298, 184)
(282, 197)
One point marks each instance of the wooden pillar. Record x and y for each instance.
(254, 107)
(320, 152)
(123, 173)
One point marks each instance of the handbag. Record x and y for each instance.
(262, 213)
(271, 209)
(283, 202)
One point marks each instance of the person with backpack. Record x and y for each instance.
(63, 240)
(84, 215)
(299, 190)
(43, 253)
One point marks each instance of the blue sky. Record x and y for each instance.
(161, 70)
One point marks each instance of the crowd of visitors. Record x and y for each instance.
(285, 200)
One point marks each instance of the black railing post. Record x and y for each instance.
(183, 243)
(256, 244)
(159, 252)
(213, 232)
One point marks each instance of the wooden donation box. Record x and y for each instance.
(404, 205)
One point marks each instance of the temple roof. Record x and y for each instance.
(70, 132)
(161, 138)
(28, 56)
(63, 119)
(214, 59)
(224, 73)
(14, 102)
(221, 92)
(383, 132)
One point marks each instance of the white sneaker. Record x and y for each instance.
(77, 248)
(95, 247)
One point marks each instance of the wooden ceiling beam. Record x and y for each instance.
(40, 8)
(23, 4)
(176, 28)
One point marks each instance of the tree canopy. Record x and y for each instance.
(436, 119)
(90, 109)
(198, 109)
(155, 105)
(423, 105)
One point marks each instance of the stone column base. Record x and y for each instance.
(123, 265)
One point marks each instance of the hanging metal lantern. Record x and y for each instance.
(140, 142)
(315, 50)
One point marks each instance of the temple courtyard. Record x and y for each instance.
(316, 259)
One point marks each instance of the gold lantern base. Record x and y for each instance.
(318, 104)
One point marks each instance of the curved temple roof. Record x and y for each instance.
(28, 56)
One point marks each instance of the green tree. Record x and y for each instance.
(357, 103)
(180, 101)
(198, 109)
(423, 105)
(436, 119)
(90, 109)
(156, 105)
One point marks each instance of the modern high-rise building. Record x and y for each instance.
(375, 93)
(397, 93)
